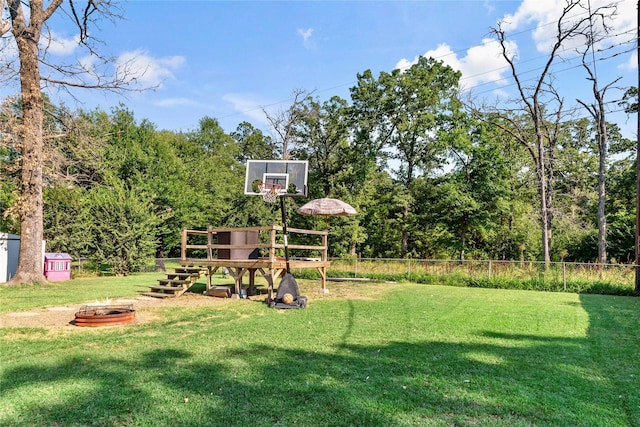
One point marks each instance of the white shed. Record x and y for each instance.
(9, 248)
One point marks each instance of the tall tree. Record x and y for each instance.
(283, 123)
(575, 188)
(28, 25)
(407, 112)
(253, 144)
(622, 210)
(322, 136)
(598, 112)
(543, 105)
(475, 194)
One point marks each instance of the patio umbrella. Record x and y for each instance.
(327, 207)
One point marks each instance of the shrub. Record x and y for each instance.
(121, 228)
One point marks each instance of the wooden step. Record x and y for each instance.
(167, 288)
(181, 275)
(174, 282)
(159, 295)
(192, 270)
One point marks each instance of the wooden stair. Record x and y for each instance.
(176, 283)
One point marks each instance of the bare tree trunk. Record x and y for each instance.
(602, 195)
(30, 260)
(463, 238)
(545, 224)
(160, 265)
(549, 174)
(603, 141)
(283, 122)
(598, 112)
(404, 243)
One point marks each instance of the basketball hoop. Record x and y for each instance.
(269, 191)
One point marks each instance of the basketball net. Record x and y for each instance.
(269, 191)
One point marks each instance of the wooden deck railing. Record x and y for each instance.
(276, 241)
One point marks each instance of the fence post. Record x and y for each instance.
(355, 267)
(408, 268)
(489, 270)
(564, 275)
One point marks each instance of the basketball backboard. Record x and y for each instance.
(290, 175)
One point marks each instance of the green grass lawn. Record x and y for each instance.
(364, 355)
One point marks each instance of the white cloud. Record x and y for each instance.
(499, 93)
(489, 7)
(631, 64)
(484, 63)
(306, 34)
(59, 45)
(247, 105)
(481, 64)
(544, 15)
(532, 11)
(88, 63)
(307, 42)
(147, 70)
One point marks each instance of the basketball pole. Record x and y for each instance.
(283, 211)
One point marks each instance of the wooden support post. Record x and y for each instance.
(270, 281)
(323, 275)
(237, 274)
(272, 244)
(269, 278)
(209, 243)
(325, 258)
(325, 245)
(183, 248)
(251, 290)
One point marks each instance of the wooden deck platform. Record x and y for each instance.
(271, 266)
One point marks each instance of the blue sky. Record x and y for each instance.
(231, 60)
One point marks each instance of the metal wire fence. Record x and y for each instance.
(618, 279)
(555, 276)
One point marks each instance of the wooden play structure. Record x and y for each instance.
(243, 252)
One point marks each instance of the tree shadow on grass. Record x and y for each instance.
(98, 390)
(425, 383)
(497, 378)
(613, 342)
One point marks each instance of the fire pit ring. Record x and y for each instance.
(105, 315)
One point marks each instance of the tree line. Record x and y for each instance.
(429, 179)
(432, 175)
